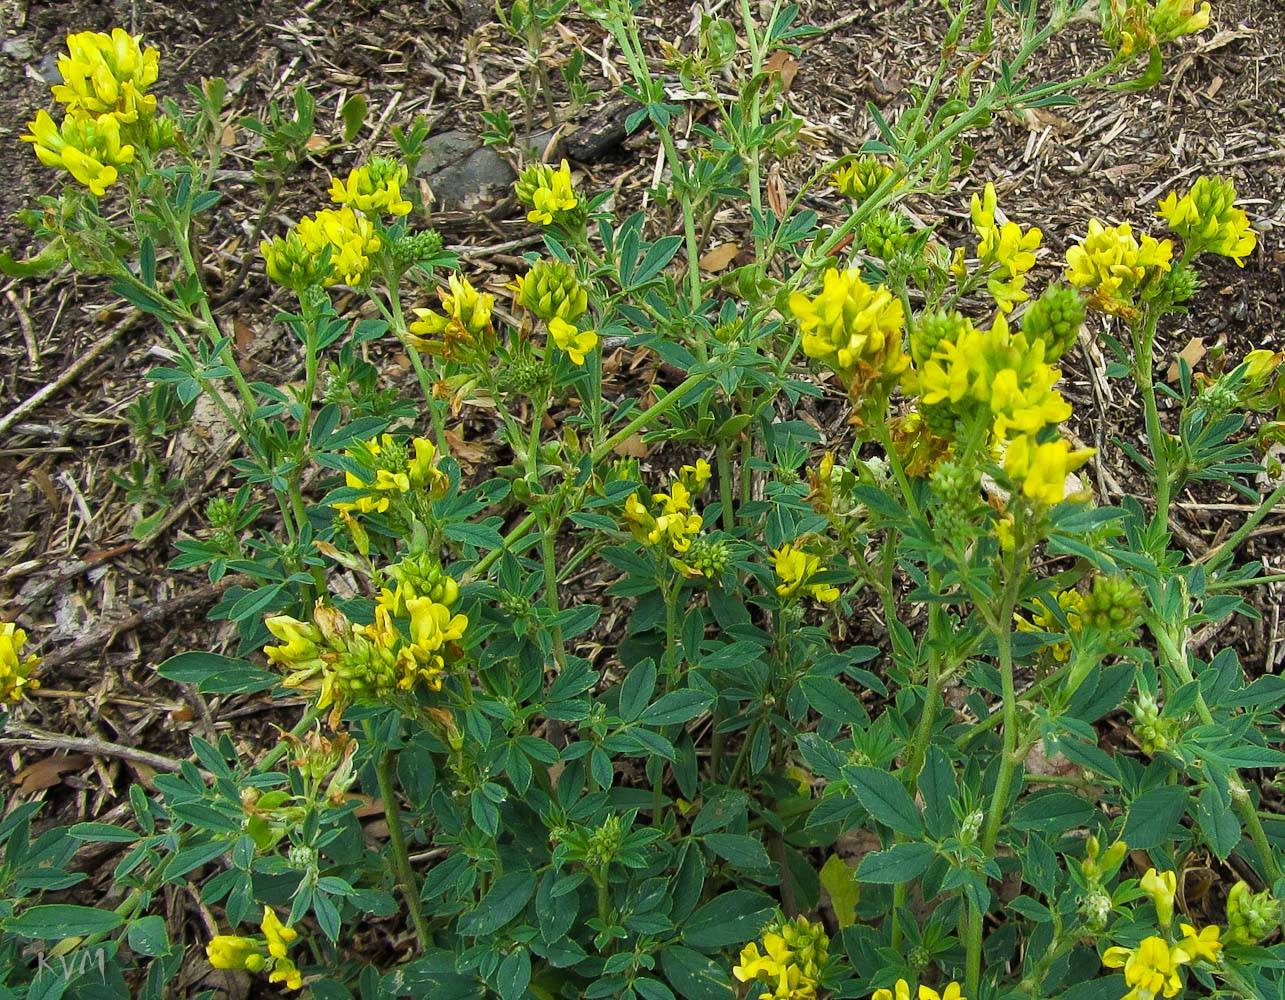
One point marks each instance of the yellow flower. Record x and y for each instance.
(1042, 469)
(547, 193)
(463, 325)
(1202, 945)
(694, 477)
(259, 954)
(375, 188)
(902, 992)
(1072, 604)
(1009, 250)
(852, 327)
(674, 523)
(575, 342)
(1151, 969)
(1135, 26)
(350, 238)
(432, 627)
(795, 568)
(1207, 218)
(15, 670)
(789, 964)
(1115, 266)
(1162, 887)
(107, 75)
(228, 951)
(88, 148)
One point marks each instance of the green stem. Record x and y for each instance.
(397, 840)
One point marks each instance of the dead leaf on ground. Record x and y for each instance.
(632, 447)
(48, 772)
(1192, 354)
(782, 62)
(719, 257)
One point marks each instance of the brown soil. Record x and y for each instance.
(100, 605)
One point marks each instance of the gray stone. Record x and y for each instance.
(464, 173)
(19, 48)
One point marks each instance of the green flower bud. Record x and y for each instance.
(413, 248)
(885, 234)
(1250, 916)
(708, 557)
(292, 265)
(551, 289)
(859, 179)
(1112, 604)
(932, 328)
(1180, 283)
(1055, 318)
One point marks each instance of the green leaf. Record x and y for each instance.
(899, 863)
(62, 920)
(1053, 812)
(1154, 816)
(694, 976)
(505, 901)
(195, 667)
(149, 937)
(514, 975)
(44, 262)
(1218, 822)
(886, 799)
(840, 881)
(732, 918)
(675, 707)
(353, 112)
(832, 700)
(740, 849)
(636, 689)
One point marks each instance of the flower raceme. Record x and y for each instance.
(15, 669)
(462, 327)
(1116, 268)
(1134, 26)
(551, 289)
(790, 962)
(852, 327)
(548, 194)
(395, 472)
(1043, 468)
(375, 188)
(89, 148)
(669, 521)
(858, 180)
(1208, 220)
(267, 952)
(1150, 970)
(351, 239)
(1006, 248)
(107, 75)
(1071, 604)
(1162, 887)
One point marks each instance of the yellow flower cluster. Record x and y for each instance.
(374, 188)
(1006, 249)
(107, 109)
(1005, 376)
(551, 289)
(674, 521)
(1116, 268)
(901, 991)
(853, 328)
(344, 663)
(1135, 26)
(1071, 603)
(15, 670)
(350, 237)
(1207, 218)
(463, 326)
(395, 471)
(795, 568)
(790, 962)
(262, 953)
(345, 235)
(547, 193)
(1152, 969)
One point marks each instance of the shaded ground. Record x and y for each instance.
(99, 603)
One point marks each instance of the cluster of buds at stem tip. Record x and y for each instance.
(1154, 733)
(1251, 916)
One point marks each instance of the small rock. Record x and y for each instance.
(48, 70)
(464, 173)
(19, 48)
